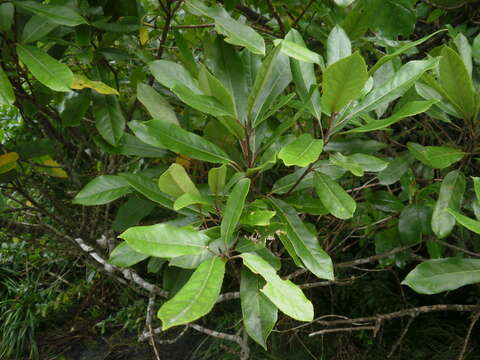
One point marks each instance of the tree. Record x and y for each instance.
(246, 147)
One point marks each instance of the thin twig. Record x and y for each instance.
(277, 17)
(469, 332)
(400, 339)
(148, 324)
(295, 22)
(348, 329)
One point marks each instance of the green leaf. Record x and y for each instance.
(272, 78)
(109, 119)
(124, 256)
(176, 182)
(343, 82)
(132, 212)
(298, 52)
(102, 190)
(414, 222)
(306, 245)
(169, 73)
(302, 151)
(174, 138)
(470, 224)
(259, 313)
(148, 188)
(75, 107)
(36, 28)
(62, 15)
(395, 169)
(338, 45)
(216, 179)
(450, 196)
(235, 32)
(476, 186)
(368, 162)
(438, 275)
(381, 13)
(286, 296)
(233, 210)
(197, 297)
(50, 72)
(7, 96)
(401, 50)
(188, 199)
(409, 109)
(7, 15)
(392, 89)
(303, 74)
(457, 82)
(465, 51)
(211, 86)
(334, 198)
(346, 163)
(257, 218)
(437, 157)
(344, 3)
(164, 240)
(157, 106)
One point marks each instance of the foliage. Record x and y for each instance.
(240, 149)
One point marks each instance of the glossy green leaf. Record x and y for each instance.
(148, 188)
(450, 196)
(173, 137)
(298, 52)
(456, 81)
(36, 28)
(347, 163)
(344, 3)
(470, 224)
(169, 73)
(414, 222)
(157, 106)
(124, 256)
(102, 190)
(409, 109)
(437, 157)
(188, 199)
(338, 45)
(381, 13)
(7, 96)
(62, 15)
(259, 313)
(343, 82)
(233, 210)
(6, 16)
(476, 186)
(303, 75)
(302, 151)
(272, 78)
(197, 297)
(368, 162)
(392, 89)
(74, 108)
(176, 182)
(46, 69)
(438, 275)
(216, 179)
(476, 49)
(257, 217)
(132, 212)
(335, 199)
(465, 51)
(164, 240)
(109, 119)
(306, 245)
(395, 169)
(211, 86)
(286, 296)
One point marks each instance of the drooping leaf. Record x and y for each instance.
(164, 240)
(102, 190)
(109, 119)
(259, 313)
(124, 256)
(82, 82)
(233, 210)
(197, 297)
(306, 246)
(470, 224)
(62, 15)
(298, 52)
(286, 296)
(438, 275)
(169, 73)
(343, 82)
(47, 70)
(395, 169)
(437, 157)
(176, 182)
(174, 138)
(450, 197)
(338, 45)
(188, 199)
(302, 151)
(409, 109)
(335, 199)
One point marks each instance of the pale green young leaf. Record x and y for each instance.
(465, 51)
(164, 240)
(102, 190)
(476, 186)
(169, 73)
(36, 28)
(437, 157)
(176, 182)
(257, 218)
(233, 210)
(347, 163)
(156, 104)
(7, 96)
(368, 162)
(298, 52)
(335, 199)
(302, 151)
(470, 224)
(124, 256)
(338, 45)
(216, 179)
(188, 199)
(197, 297)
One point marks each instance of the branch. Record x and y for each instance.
(277, 17)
